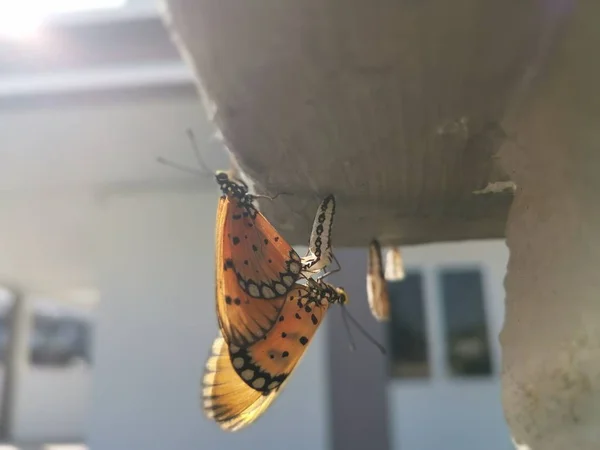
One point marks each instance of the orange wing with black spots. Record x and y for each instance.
(226, 398)
(240, 383)
(256, 268)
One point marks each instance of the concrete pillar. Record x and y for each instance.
(357, 379)
(551, 335)
(15, 364)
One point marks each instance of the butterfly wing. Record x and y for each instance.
(394, 267)
(256, 268)
(377, 293)
(240, 383)
(319, 252)
(226, 398)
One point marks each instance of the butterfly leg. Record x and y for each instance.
(269, 197)
(197, 152)
(204, 169)
(181, 167)
(329, 272)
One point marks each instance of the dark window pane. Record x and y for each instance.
(59, 339)
(467, 344)
(408, 331)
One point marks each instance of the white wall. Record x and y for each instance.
(441, 412)
(61, 156)
(52, 404)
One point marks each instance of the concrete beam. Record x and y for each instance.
(393, 106)
(551, 336)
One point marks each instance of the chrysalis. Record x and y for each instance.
(377, 293)
(394, 267)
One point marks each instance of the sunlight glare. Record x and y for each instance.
(22, 19)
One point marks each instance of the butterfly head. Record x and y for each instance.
(222, 177)
(230, 187)
(342, 296)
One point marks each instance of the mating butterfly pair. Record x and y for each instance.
(266, 318)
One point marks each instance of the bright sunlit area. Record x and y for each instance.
(23, 18)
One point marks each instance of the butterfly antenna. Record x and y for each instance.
(364, 332)
(268, 197)
(174, 165)
(197, 152)
(348, 332)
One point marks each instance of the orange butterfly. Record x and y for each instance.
(240, 383)
(255, 267)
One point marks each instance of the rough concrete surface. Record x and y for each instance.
(394, 106)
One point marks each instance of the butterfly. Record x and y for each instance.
(319, 253)
(255, 267)
(240, 383)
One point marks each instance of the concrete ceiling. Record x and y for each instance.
(397, 107)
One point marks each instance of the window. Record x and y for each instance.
(408, 331)
(466, 332)
(59, 337)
